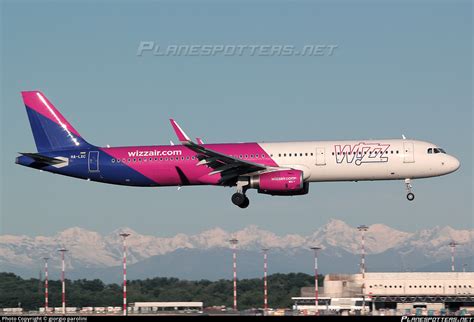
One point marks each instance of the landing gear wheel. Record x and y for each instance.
(245, 204)
(238, 199)
(410, 195)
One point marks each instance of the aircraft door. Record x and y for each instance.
(93, 161)
(408, 152)
(320, 156)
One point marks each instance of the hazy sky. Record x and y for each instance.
(400, 67)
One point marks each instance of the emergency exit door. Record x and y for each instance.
(320, 156)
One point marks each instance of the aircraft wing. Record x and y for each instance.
(229, 167)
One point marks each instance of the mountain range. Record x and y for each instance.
(207, 255)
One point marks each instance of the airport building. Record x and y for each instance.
(397, 291)
(163, 307)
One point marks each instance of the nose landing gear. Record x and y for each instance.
(410, 195)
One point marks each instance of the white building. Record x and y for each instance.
(403, 291)
(163, 307)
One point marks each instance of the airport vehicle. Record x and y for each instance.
(278, 169)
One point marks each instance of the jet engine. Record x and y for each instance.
(280, 183)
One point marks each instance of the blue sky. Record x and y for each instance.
(400, 67)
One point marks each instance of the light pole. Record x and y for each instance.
(234, 243)
(124, 249)
(46, 284)
(363, 229)
(316, 290)
(265, 284)
(63, 281)
(453, 245)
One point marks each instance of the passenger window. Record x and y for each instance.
(289, 154)
(284, 154)
(113, 160)
(311, 154)
(279, 154)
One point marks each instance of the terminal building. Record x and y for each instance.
(166, 307)
(436, 291)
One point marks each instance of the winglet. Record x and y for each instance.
(199, 141)
(179, 132)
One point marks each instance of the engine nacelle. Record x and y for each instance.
(280, 183)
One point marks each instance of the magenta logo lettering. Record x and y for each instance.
(153, 153)
(361, 153)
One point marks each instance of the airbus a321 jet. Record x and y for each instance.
(278, 169)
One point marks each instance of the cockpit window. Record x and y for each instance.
(430, 150)
(438, 150)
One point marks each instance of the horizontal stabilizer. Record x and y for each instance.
(42, 158)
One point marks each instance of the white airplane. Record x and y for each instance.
(282, 169)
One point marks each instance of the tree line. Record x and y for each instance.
(29, 293)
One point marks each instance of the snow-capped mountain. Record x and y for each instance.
(90, 250)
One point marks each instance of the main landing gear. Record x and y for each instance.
(410, 195)
(239, 198)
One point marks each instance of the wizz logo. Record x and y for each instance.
(361, 153)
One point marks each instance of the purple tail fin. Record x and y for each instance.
(50, 129)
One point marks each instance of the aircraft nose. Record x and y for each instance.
(453, 164)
